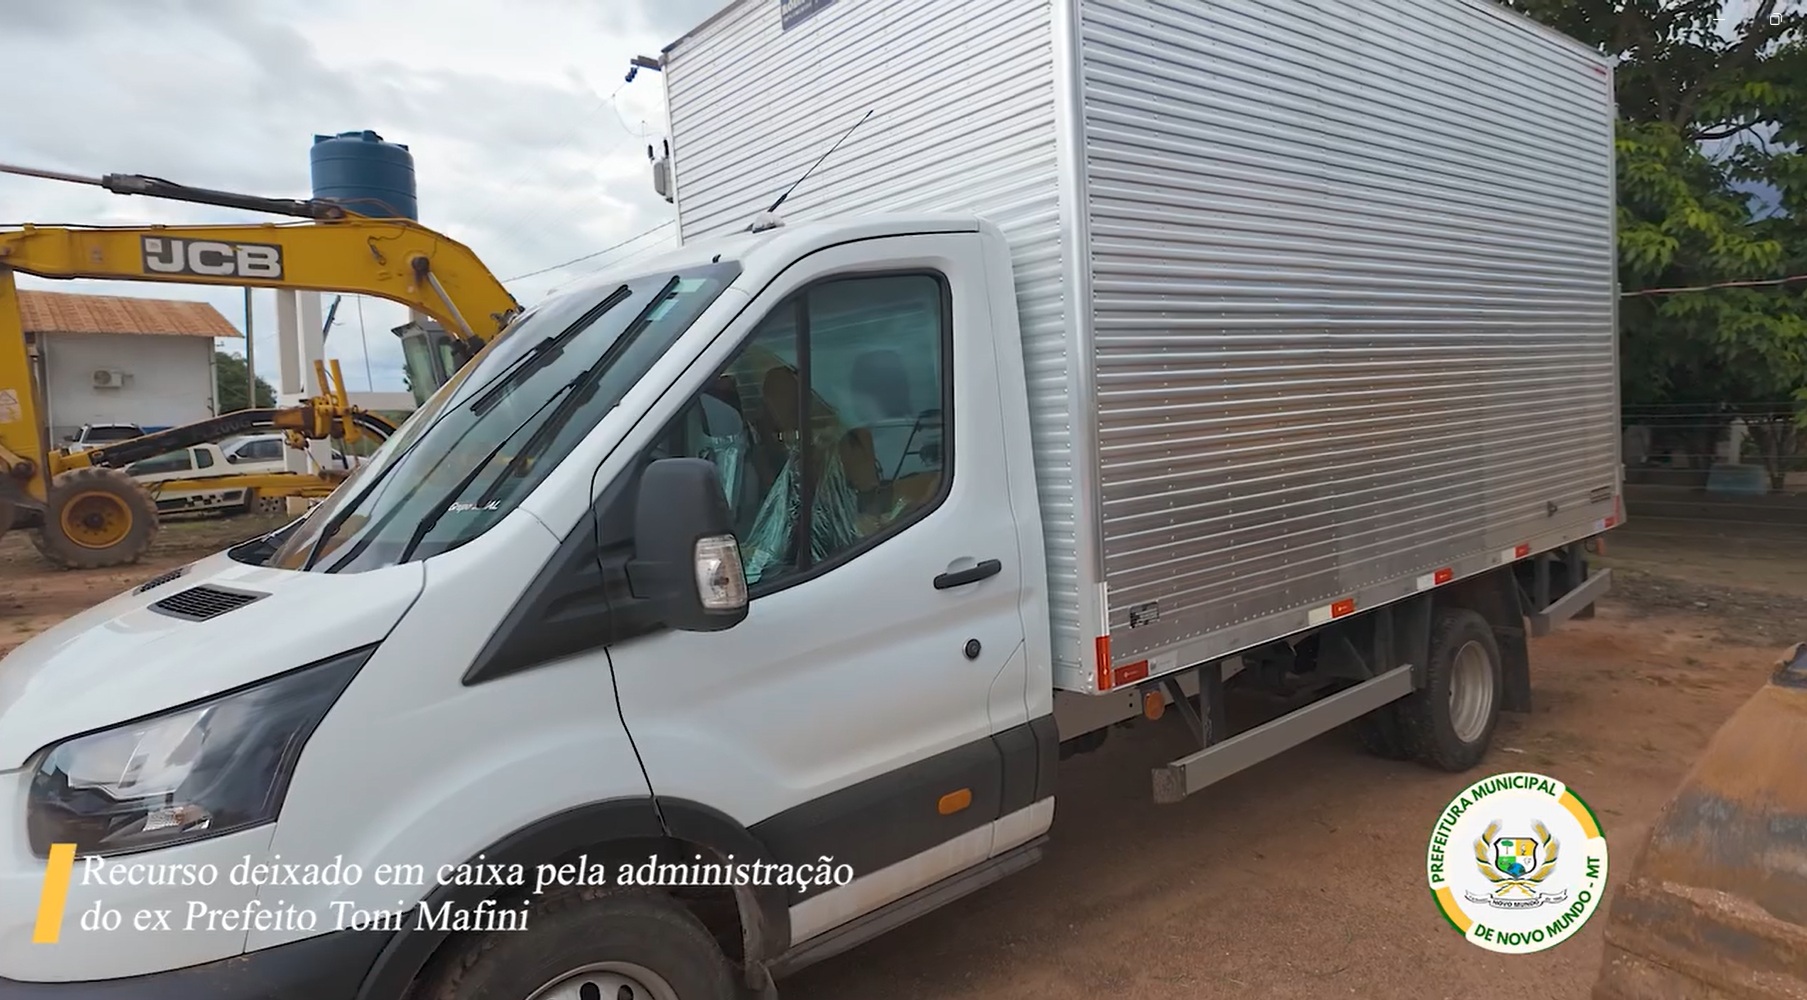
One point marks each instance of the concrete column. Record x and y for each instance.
(313, 348)
(288, 347)
(301, 340)
(291, 379)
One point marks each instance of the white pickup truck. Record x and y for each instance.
(199, 462)
(91, 436)
(737, 606)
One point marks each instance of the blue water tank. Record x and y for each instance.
(365, 174)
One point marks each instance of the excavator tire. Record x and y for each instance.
(1716, 907)
(96, 517)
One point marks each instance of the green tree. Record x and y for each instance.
(229, 382)
(1708, 105)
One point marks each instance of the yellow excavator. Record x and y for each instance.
(92, 514)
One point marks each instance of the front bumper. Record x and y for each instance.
(329, 967)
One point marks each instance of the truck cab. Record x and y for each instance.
(753, 539)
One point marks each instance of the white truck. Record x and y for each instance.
(201, 462)
(737, 606)
(91, 436)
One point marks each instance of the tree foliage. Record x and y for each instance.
(1713, 102)
(229, 381)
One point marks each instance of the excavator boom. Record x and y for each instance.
(393, 259)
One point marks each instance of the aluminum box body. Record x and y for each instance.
(1317, 303)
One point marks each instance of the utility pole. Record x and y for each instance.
(250, 357)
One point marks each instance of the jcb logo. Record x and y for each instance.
(208, 258)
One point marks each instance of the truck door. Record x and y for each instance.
(868, 709)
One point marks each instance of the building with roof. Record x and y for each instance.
(116, 359)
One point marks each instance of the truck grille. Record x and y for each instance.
(201, 603)
(162, 578)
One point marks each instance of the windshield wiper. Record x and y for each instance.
(586, 385)
(543, 353)
(429, 522)
(569, 397)
(538, 356)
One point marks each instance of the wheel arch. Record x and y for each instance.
(611, 831)
(1495, 596)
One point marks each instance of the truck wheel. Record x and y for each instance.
(96, 517)
(594, 943)
(1449, 723)
(260, 505)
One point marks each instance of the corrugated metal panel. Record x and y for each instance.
(1353, 277)
(963, 102)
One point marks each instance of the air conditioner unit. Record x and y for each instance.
(108, 378)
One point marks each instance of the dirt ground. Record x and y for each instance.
(1302, 877)
(34, 596)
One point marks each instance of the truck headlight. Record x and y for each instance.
(200, 771)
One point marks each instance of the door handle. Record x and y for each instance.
(948, 581)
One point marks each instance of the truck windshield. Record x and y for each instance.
(486, 439)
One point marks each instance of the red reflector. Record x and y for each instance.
(1443, 576)
(1521, 552)
(1101, 648)
(1346, 606)
(1130, 673)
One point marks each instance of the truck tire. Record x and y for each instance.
(258, 505)
(591, 943)
(1449, 722)
(96, 517)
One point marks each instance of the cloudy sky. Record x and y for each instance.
(527, 146)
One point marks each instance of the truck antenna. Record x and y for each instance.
(813, 166)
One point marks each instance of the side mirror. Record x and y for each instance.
(686, 558)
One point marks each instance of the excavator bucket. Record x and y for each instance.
(1716, 908)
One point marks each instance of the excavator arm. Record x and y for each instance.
(393, 259)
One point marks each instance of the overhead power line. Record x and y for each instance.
(590, 256)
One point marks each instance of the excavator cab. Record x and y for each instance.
(430, 356)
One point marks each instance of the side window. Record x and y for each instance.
(203, 458)
(828, 427)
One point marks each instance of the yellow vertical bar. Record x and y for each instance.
(20, 432)
(55, 895)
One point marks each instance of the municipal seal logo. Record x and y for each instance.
(1517, 863)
